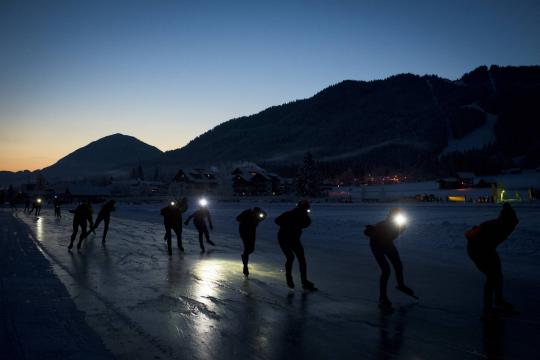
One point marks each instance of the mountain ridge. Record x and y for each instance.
(402, 122)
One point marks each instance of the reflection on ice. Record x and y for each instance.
(39, 228)
(208, 272)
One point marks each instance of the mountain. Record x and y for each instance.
(400, 123)
(104, 156)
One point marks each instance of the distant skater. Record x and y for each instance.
(26, 205)
(13, 205)
(482, 242)
(199, 220)
(36, 206)
(291, 223)
(172, 219)
(81, 215)
(105, 216)
(382, 236)
(57, 210)
(249, 220)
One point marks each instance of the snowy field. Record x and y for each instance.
(146, 305)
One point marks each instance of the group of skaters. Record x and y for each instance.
(83, 219)
(482, 242)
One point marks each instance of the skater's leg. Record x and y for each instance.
(168, 237)
(178, 232)
(249, 244)
(73, 234)
(289, 259)
(393, 255)
(207, 235)
(378, 253)
(201, 244)
(83, 234)
(298, 250)
(105, 228)
(96, 223)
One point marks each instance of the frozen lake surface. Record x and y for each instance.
(146, 305)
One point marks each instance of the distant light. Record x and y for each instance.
(308, 210)
(261, 215)
(173, 203)
(400, 219)
(39, 201)
(203, 202)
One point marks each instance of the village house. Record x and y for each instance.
(253, 180)
(194, 182)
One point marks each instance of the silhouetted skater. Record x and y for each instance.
(482, 249)
(199, 220)
(81, 215)
(57, 210)
(13, 205)
(172, 219)
(249, 220)
(382, 236)
(105, 216)
(36, 205)
(291, 223)
(26, 205)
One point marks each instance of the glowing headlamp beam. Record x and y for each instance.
(400, 219)
(203, 202)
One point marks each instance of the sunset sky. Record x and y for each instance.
(166, 71)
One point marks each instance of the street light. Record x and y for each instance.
(203, 202)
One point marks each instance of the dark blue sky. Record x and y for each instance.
(166, 71)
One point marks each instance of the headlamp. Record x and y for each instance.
(400, 219)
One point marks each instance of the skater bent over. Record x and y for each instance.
(81, 215)
(291, 223)
(382, 236)
(249, 220)
(199, 220)
(105, 216)
(482, 249)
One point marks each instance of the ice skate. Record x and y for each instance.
(308, 285)
(408, 291)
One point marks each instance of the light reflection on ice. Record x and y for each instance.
(208, 273)
(39, 228)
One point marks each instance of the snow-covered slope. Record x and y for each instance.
(477, 138)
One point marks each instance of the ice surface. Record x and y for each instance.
(146, 305)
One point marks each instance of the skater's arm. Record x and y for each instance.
(307, 222)
(189, 219)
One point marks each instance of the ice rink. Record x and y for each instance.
(147, 305)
